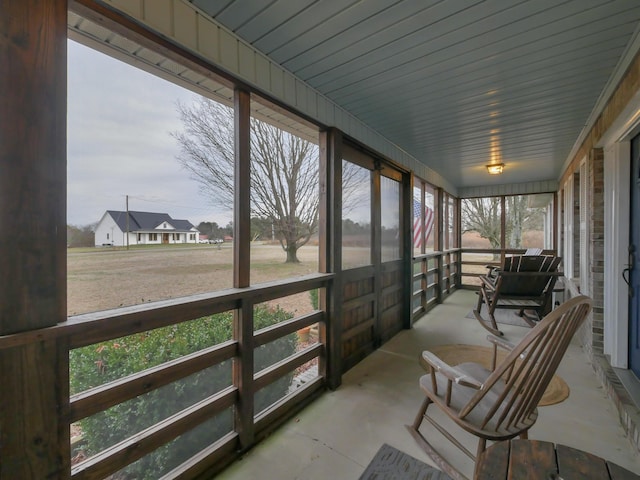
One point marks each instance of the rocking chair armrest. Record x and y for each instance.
(492, 270)
(501, 342)
(488, 283)
(451, 373)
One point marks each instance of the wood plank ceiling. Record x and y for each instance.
(456, 83)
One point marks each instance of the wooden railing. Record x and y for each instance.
(370, 312)
(92, 328)
(435, 276)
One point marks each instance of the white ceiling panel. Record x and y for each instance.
(455, 83)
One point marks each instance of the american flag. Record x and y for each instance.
(417, 223)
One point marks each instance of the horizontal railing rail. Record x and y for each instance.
(113, 459)
(105, 396)
(270, 374)
(269, 334)
(90, 328)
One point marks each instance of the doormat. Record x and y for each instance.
(392, 464)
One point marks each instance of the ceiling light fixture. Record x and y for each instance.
(495, 169)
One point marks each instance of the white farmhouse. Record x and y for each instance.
(144, 228)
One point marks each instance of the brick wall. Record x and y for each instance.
(591, 334)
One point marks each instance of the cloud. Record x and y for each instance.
(119, 143)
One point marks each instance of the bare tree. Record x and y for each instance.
(483, 216)
(516, 215)
(285, 184)
(284, 170)
(81, 236)
(207, 149)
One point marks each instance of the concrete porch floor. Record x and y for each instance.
(337, 435)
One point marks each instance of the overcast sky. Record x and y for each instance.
(119, 143)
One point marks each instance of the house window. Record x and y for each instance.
(139, 237)
(107, 236)
(153, 237)
(192, 236)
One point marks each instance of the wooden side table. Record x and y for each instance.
(534, 459)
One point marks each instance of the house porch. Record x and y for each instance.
(338, 435)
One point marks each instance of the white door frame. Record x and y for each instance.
(616, 243)
(617, 157)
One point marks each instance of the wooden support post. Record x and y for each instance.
(243, 317)
(556, 212)
(406, 220)
(33, 98)
(440, 224)
(424, 264)
(243, 376)
(330, 239)
(242, 204)
(503, 228)
(457, 235)
(376, 254)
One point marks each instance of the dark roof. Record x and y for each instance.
(147, 221)
(182, 224)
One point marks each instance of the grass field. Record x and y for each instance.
(104, 278)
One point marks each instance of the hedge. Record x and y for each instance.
(101, 363)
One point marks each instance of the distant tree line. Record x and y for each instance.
(81, 236)
(213, 230)
(349, 227)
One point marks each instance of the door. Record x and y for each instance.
(632, 270)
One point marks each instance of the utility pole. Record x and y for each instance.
(127, 203)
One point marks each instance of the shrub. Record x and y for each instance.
(101, 363)
(313, 294)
